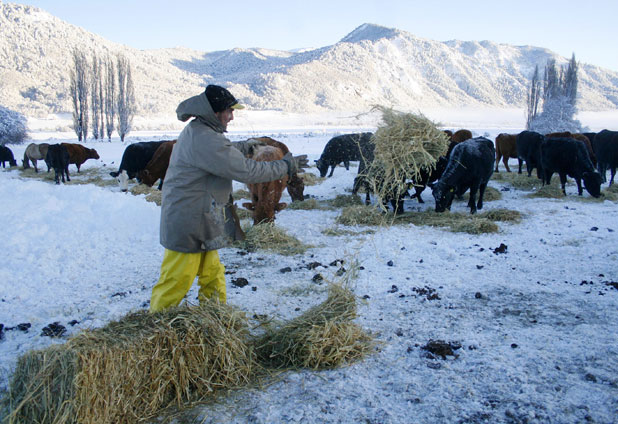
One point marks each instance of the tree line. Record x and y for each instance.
(558, 93)
(102, 95)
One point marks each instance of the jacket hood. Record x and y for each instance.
(199, 107)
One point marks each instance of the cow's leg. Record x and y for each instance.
(563, 180)
(520, 164)
(56, 176)
(612, 174)
(505, 161)
(479, 204)
(332, 169)
(418, 191)
(578, 181)
(67, 172)
(34, 161)
(498, 156)
(529, 168)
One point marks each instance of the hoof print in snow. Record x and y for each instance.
(441, 348)
(500, 249)
(53, 330)
(286, 269)
(240, 282)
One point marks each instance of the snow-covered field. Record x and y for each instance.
(536, 323)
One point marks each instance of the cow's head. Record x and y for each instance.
(443, 196)
(123, 179)
(322, 166)
(145, 177)
(92, 154)
(263, 212)
(592, 183)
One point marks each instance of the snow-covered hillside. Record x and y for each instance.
(371, 65)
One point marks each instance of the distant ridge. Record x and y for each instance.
(371, 65)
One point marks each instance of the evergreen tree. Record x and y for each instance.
(110, 98)
(125, 104)
(79, 94)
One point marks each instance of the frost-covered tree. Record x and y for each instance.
(12, 127)
(533, 98)
(559, 100)
(125, 104)
(95, 97)
(110, 97)
(79, 94)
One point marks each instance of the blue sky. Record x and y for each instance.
(586, 28)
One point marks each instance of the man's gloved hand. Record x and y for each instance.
(295, 163)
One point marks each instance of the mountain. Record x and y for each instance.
(371, 65)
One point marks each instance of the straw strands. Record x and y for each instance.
(267, 236)
(135, 368)
(404, 145)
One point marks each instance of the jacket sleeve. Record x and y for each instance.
(224, 159)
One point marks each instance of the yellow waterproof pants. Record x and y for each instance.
(178, 271)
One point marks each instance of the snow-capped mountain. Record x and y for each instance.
(371, 65)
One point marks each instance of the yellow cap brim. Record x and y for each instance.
(237, 106)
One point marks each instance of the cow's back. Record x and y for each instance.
(137, 155)
(470, 160)
(606, 147)
(265, 196)
(565, 155)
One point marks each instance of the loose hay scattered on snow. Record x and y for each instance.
(553, 191)
(152, 193)
(310, 179)
(306, 205)
(343, 200)
(404, 144)
(518, 181)
(267, 236)
(503, 215)
(322, 337)
(361, 215)
(455, 221)
(490, 195)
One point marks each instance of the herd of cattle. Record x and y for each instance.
(468, 164)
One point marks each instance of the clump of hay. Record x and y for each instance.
(267, 236)
(490, 195)
(310, 179)
(343, 200)
(503, 215)
(152, 194)
(552, 191)
(307, 204)
(134, 368)
(322, 337)
(244, 213)
(361, 215)
(454, 221)
(336, 232)
(611, 193)
(404, 145)
(241, 194)
(518, 181)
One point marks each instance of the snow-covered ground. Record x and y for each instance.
(536, 323)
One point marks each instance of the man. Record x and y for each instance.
(196, 211)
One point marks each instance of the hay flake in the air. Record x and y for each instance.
(405, 144)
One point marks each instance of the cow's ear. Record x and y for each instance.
(280, 206)
(249, 206)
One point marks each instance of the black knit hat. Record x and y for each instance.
(221, 99)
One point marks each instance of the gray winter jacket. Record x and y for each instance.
(195, 207)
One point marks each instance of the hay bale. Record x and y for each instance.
(322, 337)
(133, 368)
(361, 215)
(404, 145)
(267, 236)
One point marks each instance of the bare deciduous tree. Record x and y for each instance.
(95, 104)
(79, 94)
(534, 96)
(125, 104)
(110, 98)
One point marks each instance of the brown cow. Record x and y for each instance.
(506, 147)
(295, 185)
(79, 154)
(461, 135)
(157, 166)
(579, 137)
(265, 196)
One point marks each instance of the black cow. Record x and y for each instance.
(342, 148)
(529, 150)
(366, 158)
(58, 159)
(469, 166)
(134, 159)
(428, 177)
(568, 156)
(605, 146)
(6, 155)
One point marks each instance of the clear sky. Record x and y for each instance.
(587, 28)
